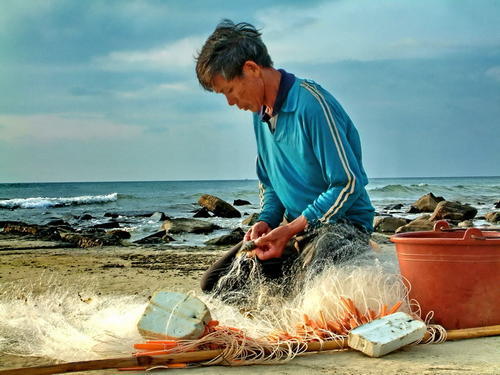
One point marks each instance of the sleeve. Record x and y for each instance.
(272, 209)
(325, 123)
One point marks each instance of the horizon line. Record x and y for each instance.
(226, 179)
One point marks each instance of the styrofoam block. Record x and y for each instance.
(386, 334)
(174, 315)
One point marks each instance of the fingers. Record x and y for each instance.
(254, 235)
(257, 234)
(259, 242)
(266, 254)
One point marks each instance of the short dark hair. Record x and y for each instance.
(226, 51)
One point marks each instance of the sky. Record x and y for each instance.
(106, 90)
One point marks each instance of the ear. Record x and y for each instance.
(251, 68)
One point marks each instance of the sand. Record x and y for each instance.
(142, 271)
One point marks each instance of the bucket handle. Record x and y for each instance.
(441, 226)
(470, 233)
(473, 234)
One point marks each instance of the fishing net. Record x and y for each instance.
(336, 284)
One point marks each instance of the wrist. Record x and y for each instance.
(296, 226)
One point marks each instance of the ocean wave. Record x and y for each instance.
(43, 202)
(398, 188)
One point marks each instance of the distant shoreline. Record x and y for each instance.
(228, 180)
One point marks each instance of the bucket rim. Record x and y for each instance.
(475, 236)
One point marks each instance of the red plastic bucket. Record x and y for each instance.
(453, 272)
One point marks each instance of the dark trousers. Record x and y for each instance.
(271, 269)
(313, 249)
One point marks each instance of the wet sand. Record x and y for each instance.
(142, 271)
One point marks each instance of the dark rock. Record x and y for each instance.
(416, 225)
(155, 238)
(251, 220)
(111, 214)
(497, 204)
(4, 223)
(86, 239)
(427, 203)
(108, 225)
(384, 224)
(122, 234)
(492, 217)
(189, 226)
(91, 231)
(58, 222)
(39, 231)
(397, 206)
(413, 210)
(85, 217)
(202, 212)
(232, 238)
(240, 202)
(453, 211)
(218, 206)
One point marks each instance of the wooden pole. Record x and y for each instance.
(470, 333)
(102, 364)
(206, 355)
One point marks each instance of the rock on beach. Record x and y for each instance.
(155, 238)
(188, 225)
(426, 203)
(241, 202)
(492, 217)
(218, 206)
(232, 238)
(388, 224)
(453, 211)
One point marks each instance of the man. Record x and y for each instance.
(308, 155)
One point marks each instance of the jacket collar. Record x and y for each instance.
(282, 101)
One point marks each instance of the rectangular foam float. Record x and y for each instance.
(174, 315)
(386, 334)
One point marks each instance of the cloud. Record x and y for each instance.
(158, 91)
(155, 91)
(376, 30)
(177, 55)
(56, 127)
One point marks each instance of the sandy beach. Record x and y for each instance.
(142, 271)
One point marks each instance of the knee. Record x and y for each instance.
(206, 285)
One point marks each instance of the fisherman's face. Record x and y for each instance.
(246, 91)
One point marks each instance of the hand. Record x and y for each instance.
(257, 230)
(272, 245)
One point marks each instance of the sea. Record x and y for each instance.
(40, 203)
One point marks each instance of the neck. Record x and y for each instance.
(272, 79)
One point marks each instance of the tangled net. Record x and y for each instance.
(276, 320)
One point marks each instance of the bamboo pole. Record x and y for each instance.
(470, 333)
(206, 355)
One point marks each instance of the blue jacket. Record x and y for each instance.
(311, 163)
